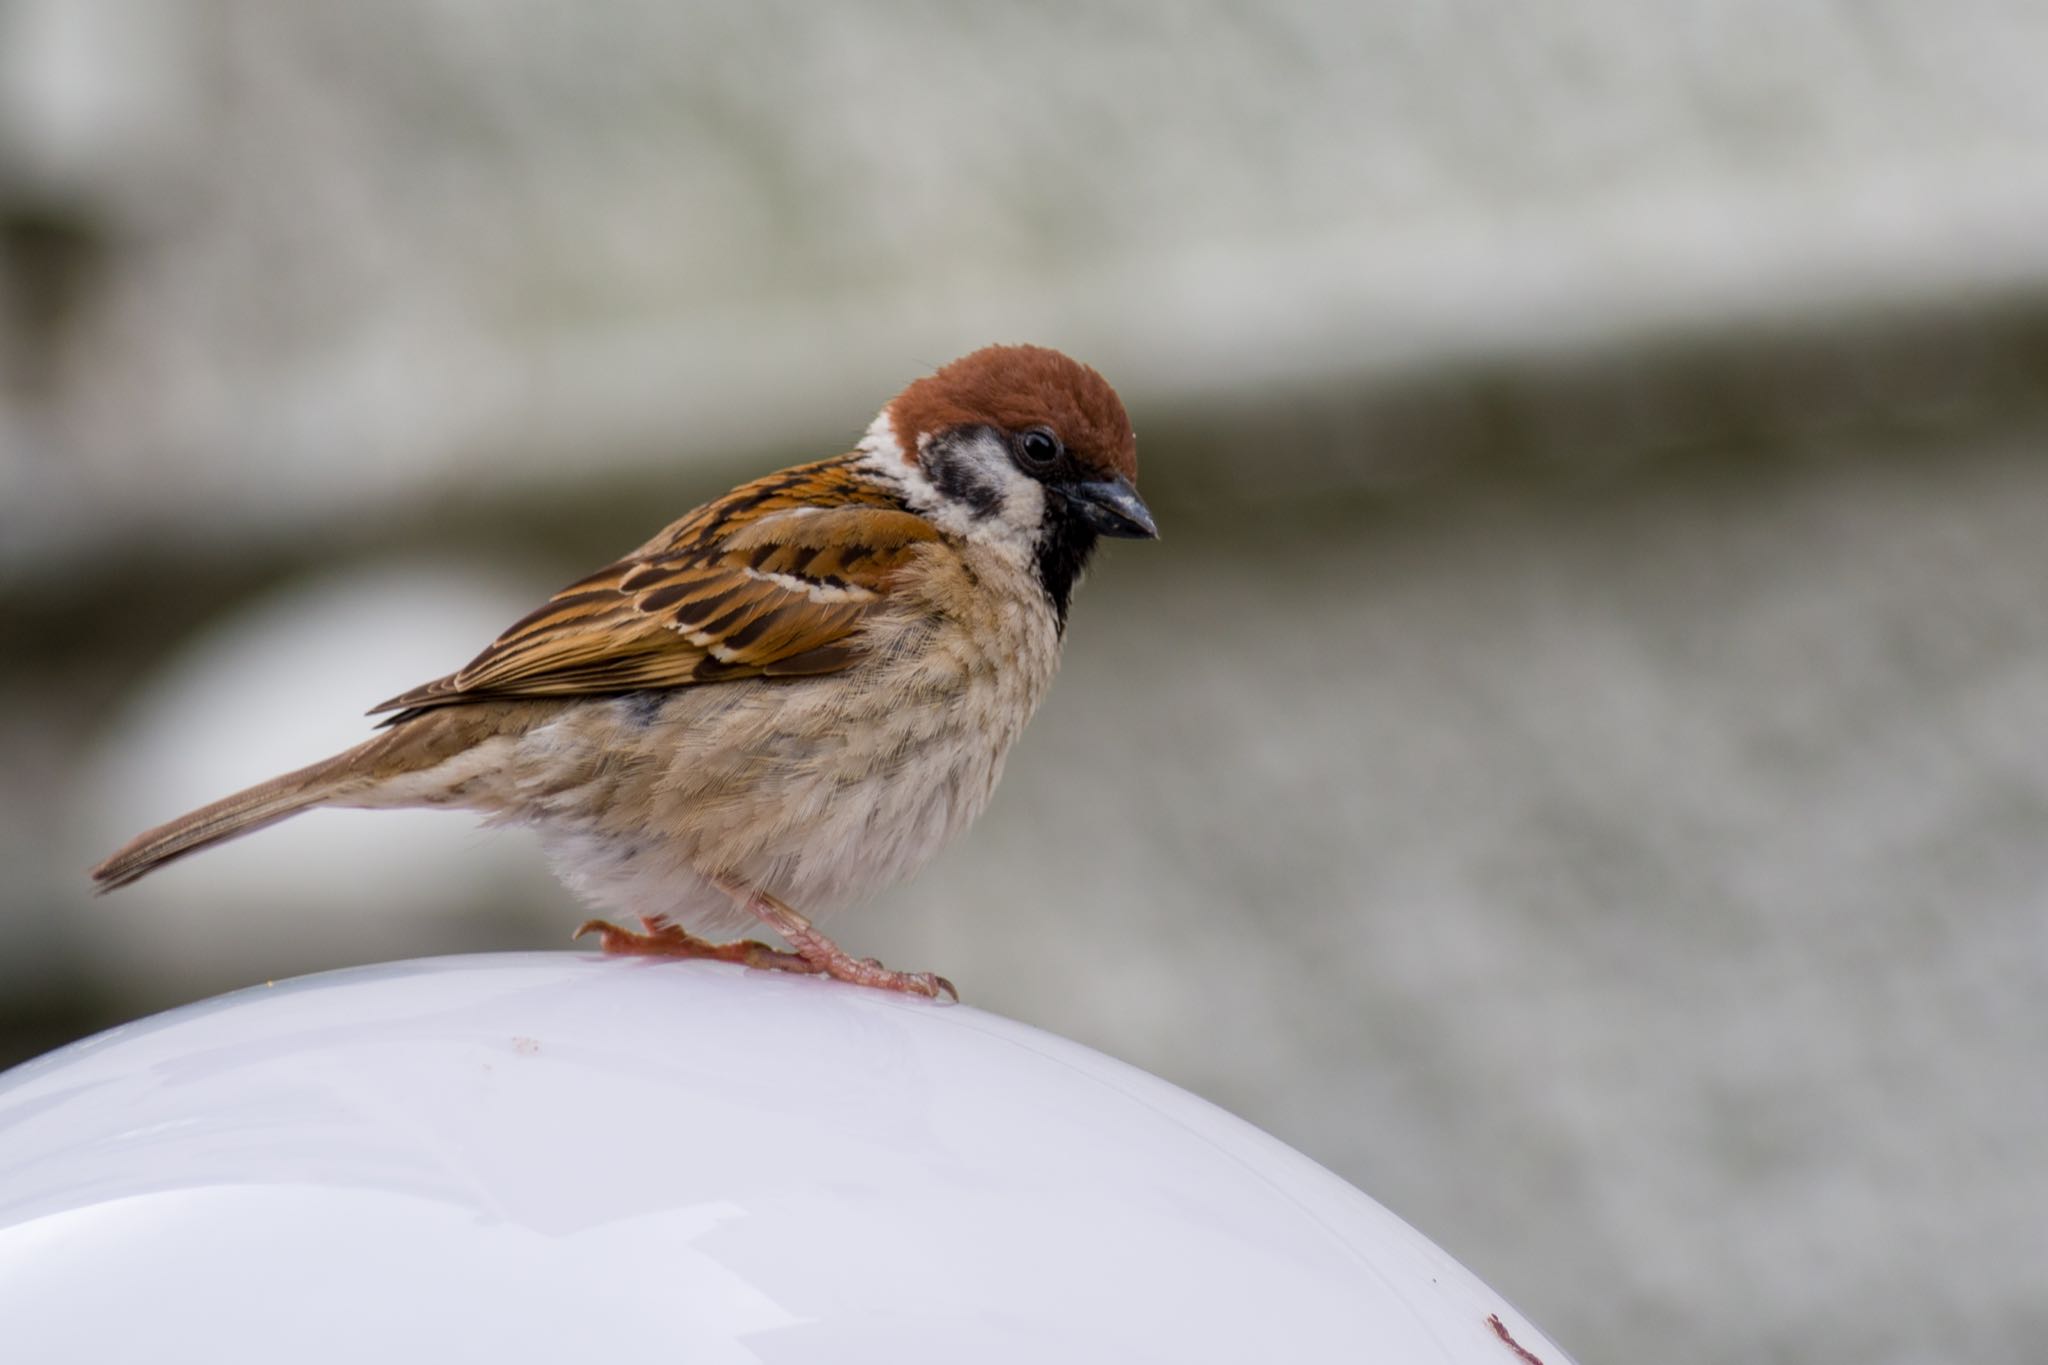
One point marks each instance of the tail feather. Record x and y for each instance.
(259, 806)
(415, 744)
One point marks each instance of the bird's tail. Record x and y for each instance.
(261, 805)
(394, 768)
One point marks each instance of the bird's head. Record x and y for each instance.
(1019, 447)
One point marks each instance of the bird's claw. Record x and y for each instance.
(611, 938)
(661, 938)
(815, 954)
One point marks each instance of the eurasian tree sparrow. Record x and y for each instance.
(792, 697)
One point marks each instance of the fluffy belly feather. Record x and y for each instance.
(819, 791)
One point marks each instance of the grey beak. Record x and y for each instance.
(1112, 508)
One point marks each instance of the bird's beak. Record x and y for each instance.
(1112, 507)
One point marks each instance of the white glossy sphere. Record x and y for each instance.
(553, 1157)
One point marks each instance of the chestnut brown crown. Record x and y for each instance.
(1018, 387)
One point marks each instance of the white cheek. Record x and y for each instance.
(1014, 522)
(1023, 510)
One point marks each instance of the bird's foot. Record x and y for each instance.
(663, 939)
(827, 957)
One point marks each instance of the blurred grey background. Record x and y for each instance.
(1576, 764)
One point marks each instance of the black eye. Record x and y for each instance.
(1038, 448)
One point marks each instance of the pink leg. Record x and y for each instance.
(663, 939)
(825, 956)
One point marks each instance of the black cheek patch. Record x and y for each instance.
(956, 473)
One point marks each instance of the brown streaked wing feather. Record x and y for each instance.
(772, 580)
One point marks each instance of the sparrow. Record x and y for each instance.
(785, 701)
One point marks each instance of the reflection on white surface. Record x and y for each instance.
(551, 1157)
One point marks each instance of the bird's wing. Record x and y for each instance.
(773, 580)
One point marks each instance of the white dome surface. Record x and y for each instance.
(554, 1157)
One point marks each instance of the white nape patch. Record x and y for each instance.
(883, 452)
(1014, 524)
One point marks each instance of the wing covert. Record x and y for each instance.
(762, 583)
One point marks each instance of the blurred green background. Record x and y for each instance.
(1576, 763)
